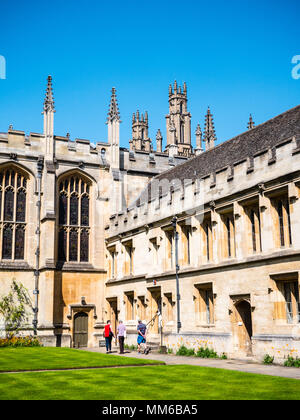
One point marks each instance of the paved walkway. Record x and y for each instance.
(231, 364)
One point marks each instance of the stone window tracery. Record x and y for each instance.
(12, 214)
(74, 219)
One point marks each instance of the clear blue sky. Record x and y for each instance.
(234, 55)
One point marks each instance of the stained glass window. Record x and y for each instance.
(9, 205)
(84, 246)
(7, 242)
(21, 206)
(63, 209)
(74, 203)
(13, 210)
(73, 244)
(85, 210)
(74, 210)
(19, 243)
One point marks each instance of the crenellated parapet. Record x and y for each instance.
(268, 154)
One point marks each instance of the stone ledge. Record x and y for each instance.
(24, 266)
(272, 337)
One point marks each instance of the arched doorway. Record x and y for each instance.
(155, 306)
(242, 322)
(80, 338)
(113, 314)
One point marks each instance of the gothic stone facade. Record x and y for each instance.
(90, 229)
(56, 198)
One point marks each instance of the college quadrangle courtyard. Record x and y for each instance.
(70, 374)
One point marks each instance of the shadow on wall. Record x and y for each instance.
(58, 307)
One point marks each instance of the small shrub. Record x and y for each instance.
(223, 356)
(27, 341)
(268, 360)
(190, 352)
(182, 351)
(207, 353)
(291, 362)
(132, 347)
(170, 351)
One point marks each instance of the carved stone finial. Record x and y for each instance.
(209, 132)
(113, 113)
(251, 123)
(49, 100)
(158, 141)
(158, 135)
(198, 134)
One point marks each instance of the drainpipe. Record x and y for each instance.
(174, 224)
(40, 165)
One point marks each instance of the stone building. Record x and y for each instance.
(56, 198)
(236, 209)
(93, 229)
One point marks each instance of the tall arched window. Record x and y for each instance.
(74, 220)
(12, 214)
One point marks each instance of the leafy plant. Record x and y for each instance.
(207, 353)
(132, 347)
(182, 351)
(268, 360)
(170, 351)
(292, 362)
(14, 309)
(27, 341)
(191, 352)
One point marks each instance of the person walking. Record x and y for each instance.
(121, 334)
(108, 335)
(141, 339)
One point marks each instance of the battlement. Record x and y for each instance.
(267, 154)
(16, 142)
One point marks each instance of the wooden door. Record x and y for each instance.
(155, 306)
(81, 329)
(114, 315)
(243, 326)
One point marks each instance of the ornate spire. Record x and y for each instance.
(49, 100)
(175, 86)
(209, 131)
(113, 112)
(251, 123)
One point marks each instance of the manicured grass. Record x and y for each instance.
(37, 358)
(147, 383)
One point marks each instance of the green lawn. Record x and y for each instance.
(37, 358)
(129, 383)
(147, 383)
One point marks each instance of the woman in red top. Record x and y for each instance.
(108, 334)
